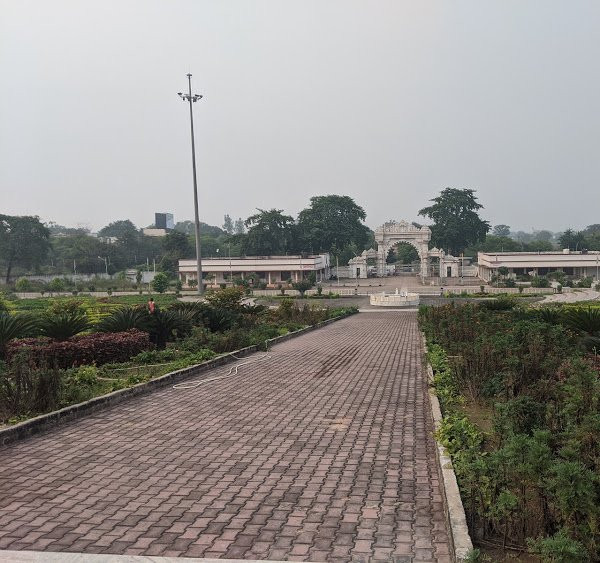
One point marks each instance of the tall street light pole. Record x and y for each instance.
(190, 99)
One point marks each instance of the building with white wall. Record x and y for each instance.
(272, 270)
(576, 264)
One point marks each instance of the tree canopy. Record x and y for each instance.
(332, 222)
(269, 233)
(456, 223)
(23, 242)
(501, 230)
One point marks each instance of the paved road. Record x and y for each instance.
(323, 453)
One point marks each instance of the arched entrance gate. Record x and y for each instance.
(392, 233)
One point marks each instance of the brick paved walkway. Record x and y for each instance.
(323, 453)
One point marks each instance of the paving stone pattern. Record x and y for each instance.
(323, 453)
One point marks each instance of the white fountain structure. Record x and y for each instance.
(398, 299)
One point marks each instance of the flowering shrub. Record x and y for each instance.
(100, 348)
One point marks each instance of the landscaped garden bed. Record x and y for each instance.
(520, 394)
(71, 350)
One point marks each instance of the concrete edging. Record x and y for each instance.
(43, 422)
(454, 510)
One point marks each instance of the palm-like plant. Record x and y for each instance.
(124, 319)
(166, 325)
(63, 326)
(584, 320)
(193, 311)
(14, 326)
(550, 315)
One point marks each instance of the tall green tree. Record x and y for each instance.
(24, 242)
(269, 233)
(456, 222)
(228, 224)
(122, 229)
(571, 239)
(238, 227)
(332, 221)
(501, 231)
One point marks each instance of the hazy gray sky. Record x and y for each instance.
(386, 101)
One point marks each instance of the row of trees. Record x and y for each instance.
(331, 223)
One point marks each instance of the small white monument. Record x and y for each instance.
(397, 299)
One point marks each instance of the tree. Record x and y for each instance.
(573, 240)
(538, 246)
(177, 245)
(239, 228)
(332, 221)
(302, 286)
(228, 225)
(591, 230)
(122, 229)
(160, 282)
(269, 233)
(24, 241)
(501, 230)
(189, 228)
(546, 236)
(456, 223)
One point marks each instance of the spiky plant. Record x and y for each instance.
(15, 326)
(167, 325)
(123, 319)
(585, 320)
(194, 312)
(550, 315)
(63, 326)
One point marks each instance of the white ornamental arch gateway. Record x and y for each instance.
(392, 232)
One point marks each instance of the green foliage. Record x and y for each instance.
(302, 286)
(23, 242)
(14, 326)
(64, 325)
(536, 468)
(228, 298)
(560, 548)
(332, 221)
(23, 285)
(269, 233)
(539, 281)
(167, 325)
(572, 240)
(57, 285)
(160, 283)
(584, 319)
(456, 223)
(124, 319)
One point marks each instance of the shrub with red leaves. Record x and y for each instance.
(98, 348)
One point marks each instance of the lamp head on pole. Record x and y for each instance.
(187, 97)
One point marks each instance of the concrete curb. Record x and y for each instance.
(453, 507)
(43, 422)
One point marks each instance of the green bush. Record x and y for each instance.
(160, 283)
(534, 470)
(23, 285)
(62, 326)
(57, 285)
(15, 326)
(539, 281)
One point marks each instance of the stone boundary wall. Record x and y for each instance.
(45, 421)
(456, 520)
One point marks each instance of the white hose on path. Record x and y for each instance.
(233, 371)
